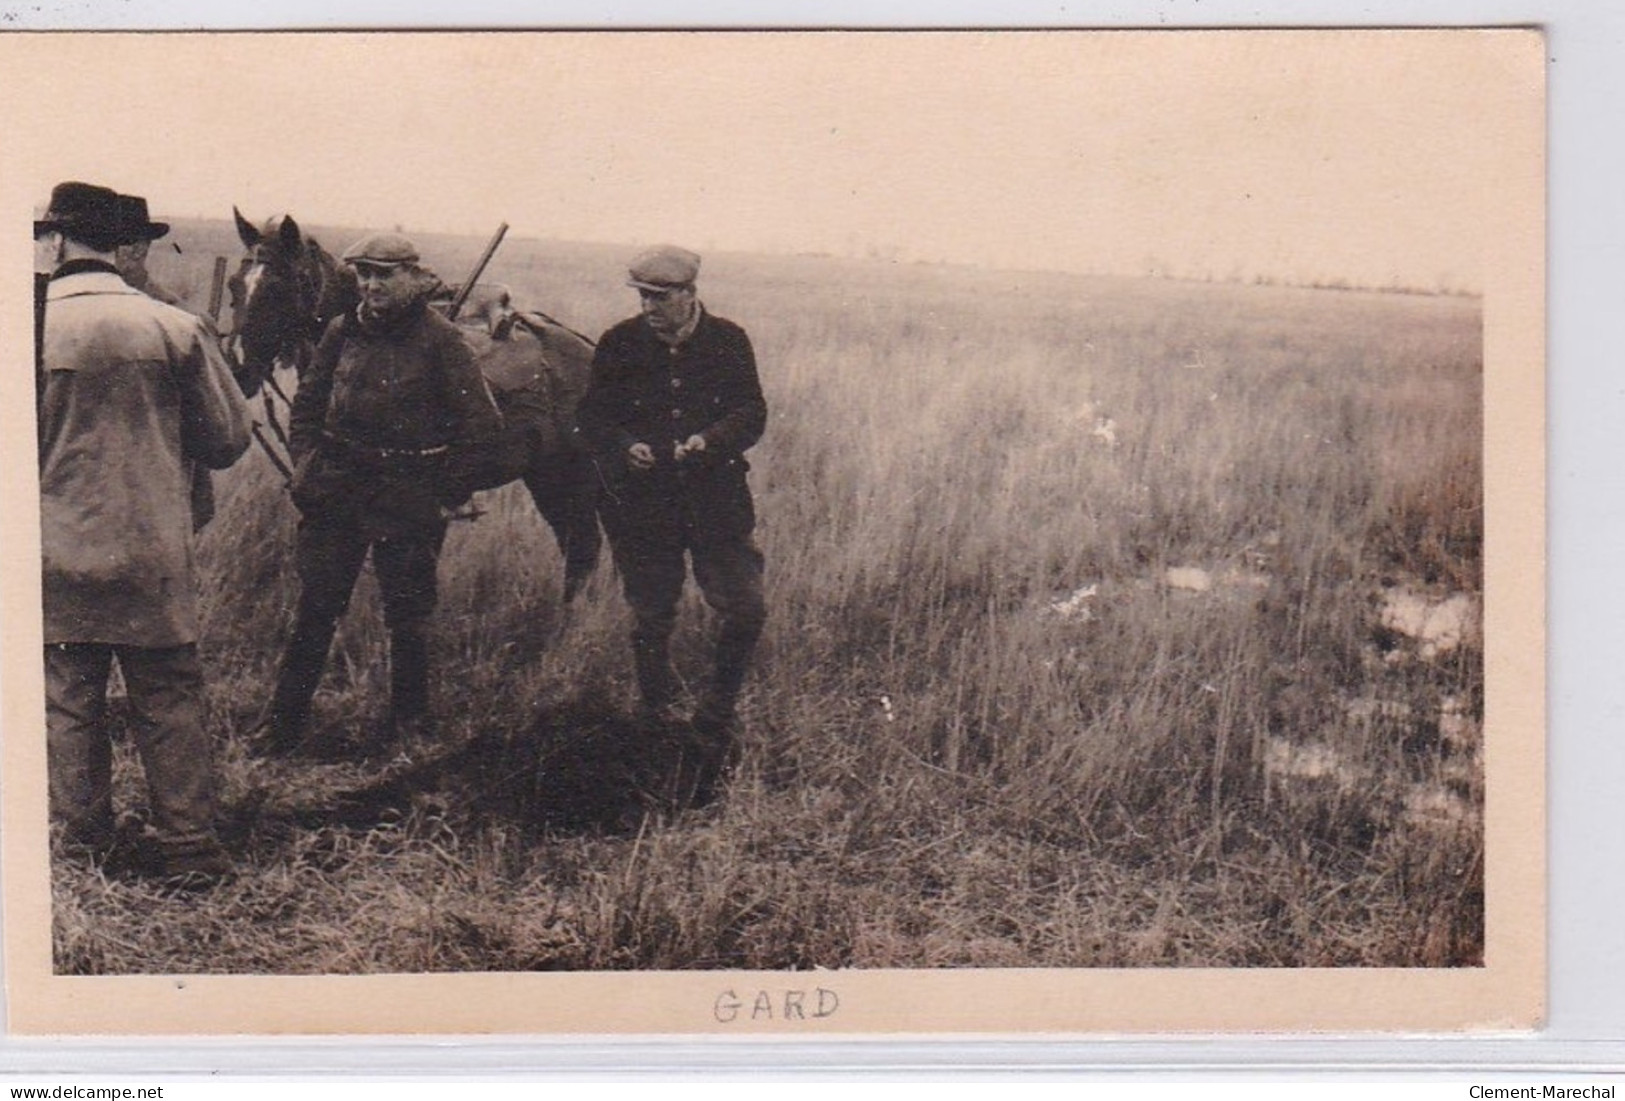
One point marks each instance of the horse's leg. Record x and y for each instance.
(565, 490)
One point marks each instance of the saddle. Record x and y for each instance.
(521, 354)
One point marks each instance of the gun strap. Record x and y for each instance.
(42, 284)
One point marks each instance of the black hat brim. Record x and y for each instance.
(149, 232)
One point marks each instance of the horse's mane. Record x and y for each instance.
(333, 292)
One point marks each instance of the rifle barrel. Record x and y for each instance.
(217, 288)
(474, 274)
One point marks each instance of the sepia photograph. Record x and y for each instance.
(769, 531)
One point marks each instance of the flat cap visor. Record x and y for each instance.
(382, 250)
(662, 268)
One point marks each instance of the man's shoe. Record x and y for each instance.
(132, 855)
(718, 726)
(409, 730)
(399, 734)
(657, 717)
(714, 752)
(274, 743)
(414, 728)
(274, 736)
(195, 870)
(87, 845)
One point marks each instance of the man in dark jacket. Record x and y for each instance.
(673, 405)
(380, 431)
(134, 394)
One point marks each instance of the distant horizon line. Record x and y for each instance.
(875, 255)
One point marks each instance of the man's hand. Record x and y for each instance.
(691, 446)
(641, 456)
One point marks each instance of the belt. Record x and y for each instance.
(384, 454)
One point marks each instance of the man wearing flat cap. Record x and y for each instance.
(134, 393)
(381, 430)
(673, 405)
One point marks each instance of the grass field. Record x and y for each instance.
(1113, 623)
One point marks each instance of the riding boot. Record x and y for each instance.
(651, 658)
(408, 681)
(300, 672)
(716, 723)
(734, 646)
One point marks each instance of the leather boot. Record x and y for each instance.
(408, 682)
(282, 727)
(716, 721)
(735, 645)
(657, 682)
(194, 868)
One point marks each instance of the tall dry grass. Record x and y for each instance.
(944, 765)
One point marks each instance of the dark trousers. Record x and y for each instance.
(165, 689)
(728, 568)
(328, 557)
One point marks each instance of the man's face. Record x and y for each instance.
(131, 259)
(386, 288)
(47, 251)
(668, 310)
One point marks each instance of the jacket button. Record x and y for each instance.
(676, 383)
(676, 413)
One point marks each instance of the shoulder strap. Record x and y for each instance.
(42, 285)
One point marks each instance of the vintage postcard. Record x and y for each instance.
(774, 533)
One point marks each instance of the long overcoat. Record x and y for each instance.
(135, 394)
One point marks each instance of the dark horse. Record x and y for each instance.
(288, 288)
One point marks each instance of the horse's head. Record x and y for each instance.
(284, 292)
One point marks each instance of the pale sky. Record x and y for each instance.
(1299, 156)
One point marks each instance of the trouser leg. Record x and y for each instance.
(652, 569)
(79, 751)
(729, 573)
(406, 567)
(328, 559)
(409, 672)
(166, 704)
(651, 661)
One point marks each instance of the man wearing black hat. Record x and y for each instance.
(673, 405)
(134, 392)
(131, 260)
(380, 433)
(131, 257)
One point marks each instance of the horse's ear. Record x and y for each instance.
(247, 232)
(292, 236)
